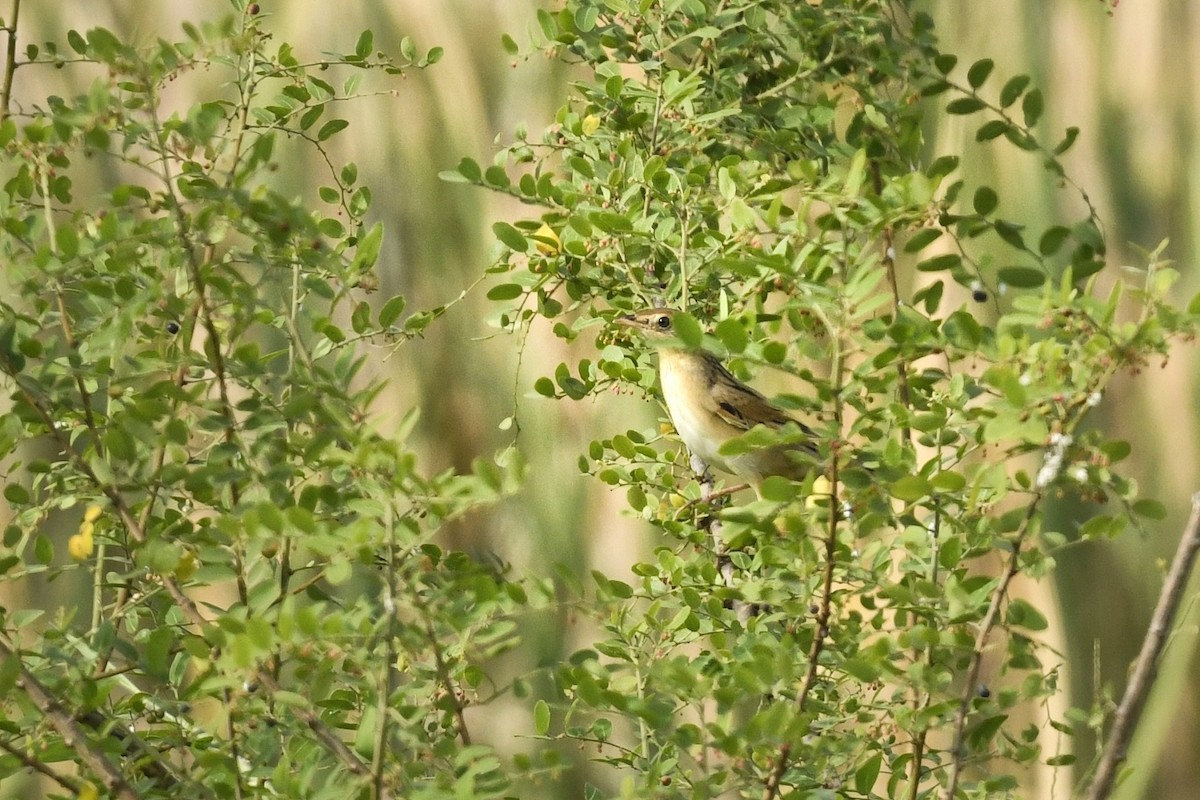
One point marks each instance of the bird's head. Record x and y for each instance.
(653, 323)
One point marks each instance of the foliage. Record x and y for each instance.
(186, 352)
(761, 164)
(183, 352)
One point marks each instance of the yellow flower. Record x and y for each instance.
(546, 241)
(590, 124)
(81, 545)
(820, 492)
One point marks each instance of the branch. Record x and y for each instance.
(73, 785)
(328, 739)
(1146, 667)
(958, 751)
(74, 737)
(10, 62)
(771, 790)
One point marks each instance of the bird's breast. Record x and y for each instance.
(686, 385)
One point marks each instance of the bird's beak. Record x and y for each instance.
(628, 321)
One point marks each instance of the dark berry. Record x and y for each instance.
(985, 692)
(172, 327)
(979, 296)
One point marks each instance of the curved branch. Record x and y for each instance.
(1146, 666)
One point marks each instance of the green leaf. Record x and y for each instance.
(1032, 107)
(939, 263)
(76, 42)
(687, 329)
(365, 44)
(510, 236)
(330, 128)
(1052, 240)
(506, 291)
(947, 481)
(367, 251)
(945, 62)
(985, 201)
(732, 334)
(1010, 232)
(965, 105)
(391, 311)
(991, 129)
(16, 494)
(911, 488)
(985, 731)
(470, 170)
(43, 549)
(1013, 89)
(157, 651)
(922, 239)
(979, 72)
(408, 48)
(636, 498)
(1023, 614)
(10, 671)
(963, 330)
(867, 774)
(1022, 277)
(1067, 141)
(541, 717)
(777, 489)
(1150, 509)
(1116, 450)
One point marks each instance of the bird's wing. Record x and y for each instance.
(741, 406)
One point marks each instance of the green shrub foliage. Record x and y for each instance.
(764, 166)
(188, 431)
(182, 353)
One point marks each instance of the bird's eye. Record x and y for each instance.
(663, 322)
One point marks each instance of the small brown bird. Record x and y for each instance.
(708, 406)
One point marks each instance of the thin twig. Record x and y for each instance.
(1146, 666)
(771, 791)
(1011, 569)
(387, 680)
(328, 739)
(825, 612)
(443, 672)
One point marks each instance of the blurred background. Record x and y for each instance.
(1128, 76)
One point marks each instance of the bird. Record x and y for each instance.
(709, 406)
